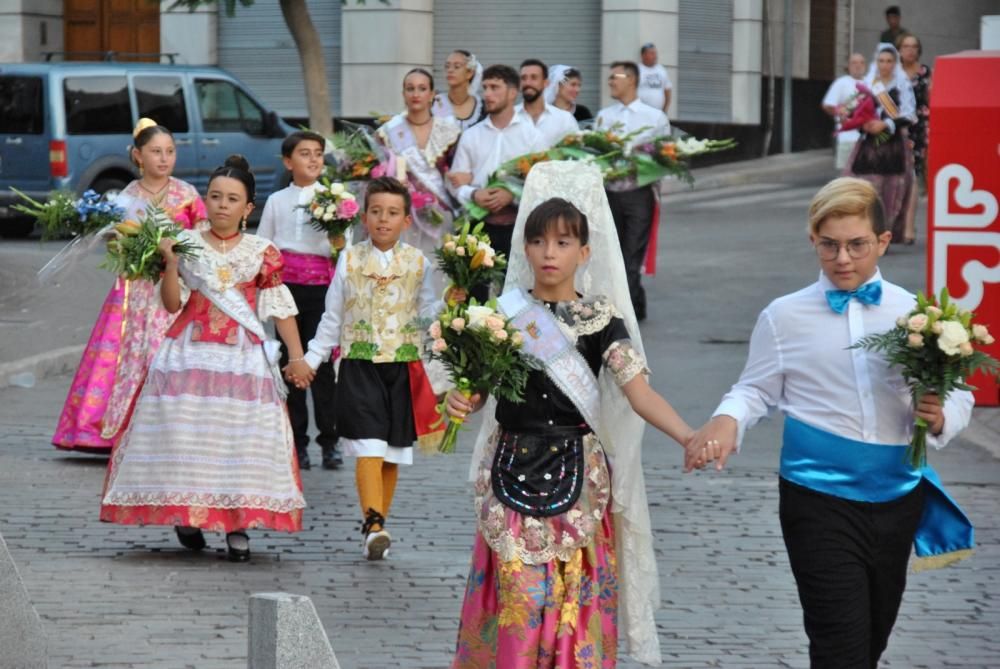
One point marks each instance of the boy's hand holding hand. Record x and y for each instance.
(931, 410)
(460, 406)
(299, 373)
(715, 441)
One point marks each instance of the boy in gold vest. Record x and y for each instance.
(381, 292)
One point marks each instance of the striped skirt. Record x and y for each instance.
(209, 444)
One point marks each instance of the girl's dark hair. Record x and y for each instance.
(572, 73)
(420, 70)
(237, 167)
(143, 138)
(553, 212)
(388, 185)
(290, 143)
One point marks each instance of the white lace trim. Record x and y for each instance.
(275, 302)
(222, 271)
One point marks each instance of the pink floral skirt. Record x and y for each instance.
(556, 615)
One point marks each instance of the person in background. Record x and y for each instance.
(464, 75)
(910, 50)
(654, 82)
(892, 17)
(564, 86)
(553, 123)
(840, 92)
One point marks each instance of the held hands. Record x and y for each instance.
(460, 178)
(931, 410)
(299, 373)
(459, 406)
(715, 441)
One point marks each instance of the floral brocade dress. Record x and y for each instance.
(543, 589)
(919, 131)
(210, 444)
(124, 339)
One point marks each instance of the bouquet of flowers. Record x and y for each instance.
(480, 349)
(333, 210)
(426, 208)
(134, 251)
(355, 154)
(859, 109)
(668, 156)
(934, 348)
(467, 258)
(64, 215)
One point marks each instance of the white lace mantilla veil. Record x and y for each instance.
(621, 429)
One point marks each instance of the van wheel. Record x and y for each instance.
(17, 227)
(108, 186)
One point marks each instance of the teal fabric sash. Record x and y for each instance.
(862, 472)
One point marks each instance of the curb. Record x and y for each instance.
(50, 363)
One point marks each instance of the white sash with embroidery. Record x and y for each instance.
(234, 304)
(545, 341)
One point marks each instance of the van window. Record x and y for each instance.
(225, 108)
(21, 111)
(162, 99)
(97, 106)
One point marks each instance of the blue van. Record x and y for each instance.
(69, 126)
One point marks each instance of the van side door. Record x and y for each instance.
(232, 122)
(162, 97)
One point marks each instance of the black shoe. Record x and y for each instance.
(303, 458)
(332, 459)
(190, 538)
(238, 554)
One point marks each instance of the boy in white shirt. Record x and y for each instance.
(307, 272)
(851, 506)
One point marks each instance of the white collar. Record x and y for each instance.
(517, 118)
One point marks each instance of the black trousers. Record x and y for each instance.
(311, 301)
(849, 560)
(633, 214)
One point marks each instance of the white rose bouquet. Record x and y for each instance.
(333, 210)
(467, 258)
(934, 347)
(480, 349)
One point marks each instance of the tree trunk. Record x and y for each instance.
(313, 69)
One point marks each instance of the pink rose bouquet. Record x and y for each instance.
(333, 210)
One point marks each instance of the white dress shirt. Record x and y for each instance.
(799, 362)
(633, 116)
(483, 147)
(553, 123)
(285, 224)
(653, 79)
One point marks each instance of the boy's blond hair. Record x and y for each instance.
(847, 196)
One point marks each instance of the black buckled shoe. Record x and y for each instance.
(238, 546)
(190, 538)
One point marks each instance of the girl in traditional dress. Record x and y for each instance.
(883, 156)
(464, 75)
(421, 146)
(554, 520)
(132, 321)
(210, 445)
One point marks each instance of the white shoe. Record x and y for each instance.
(377, 545)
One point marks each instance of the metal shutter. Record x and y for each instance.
(508, 31)
(256, 46)
(704, 79)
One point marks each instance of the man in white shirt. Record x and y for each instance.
(633, 209)
(851, 505)
(654, 81)
(502, 135)
(840, 91)
(553, 123)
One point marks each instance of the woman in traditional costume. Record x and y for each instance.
(210, 445)
(464, 75)
(132, 321)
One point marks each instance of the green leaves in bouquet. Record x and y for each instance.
(53, 216)
(134, 252)
(476, 263)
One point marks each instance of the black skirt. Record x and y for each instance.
(373, 402)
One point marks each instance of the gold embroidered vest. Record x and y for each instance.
(380, 304)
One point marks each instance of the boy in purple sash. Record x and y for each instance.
(851, 506)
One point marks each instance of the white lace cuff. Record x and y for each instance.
(275, 302)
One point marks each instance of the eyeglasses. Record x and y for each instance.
(617, 75)
(828, 249)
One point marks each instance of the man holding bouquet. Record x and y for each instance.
(851, 504)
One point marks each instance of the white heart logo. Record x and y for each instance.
(965, 197)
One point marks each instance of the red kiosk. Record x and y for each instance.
(963, 180)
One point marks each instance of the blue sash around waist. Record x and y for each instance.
(862, 472)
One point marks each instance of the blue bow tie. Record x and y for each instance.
(870, 293)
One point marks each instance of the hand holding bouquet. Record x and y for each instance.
(480, 349)
(64, 215)
(333, 210)
(134, 252)
(934, 348)
(468, 259)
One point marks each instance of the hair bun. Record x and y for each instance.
(238, 161)
(141, 125)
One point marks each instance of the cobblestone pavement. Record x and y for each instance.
(114, 596)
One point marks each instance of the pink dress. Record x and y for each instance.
(124, 340)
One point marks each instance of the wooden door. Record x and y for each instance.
(125, 26)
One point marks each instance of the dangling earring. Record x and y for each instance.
(243, 226)
(141, 171)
